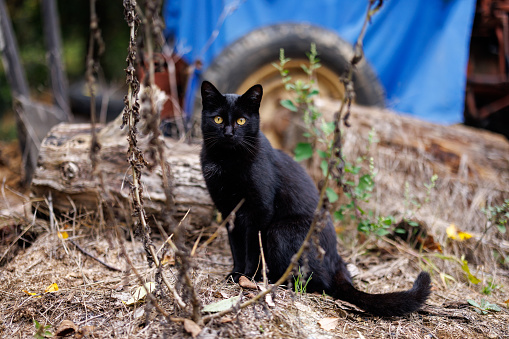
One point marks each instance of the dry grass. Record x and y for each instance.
(91, 296)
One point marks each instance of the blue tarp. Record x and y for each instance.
(418, 48)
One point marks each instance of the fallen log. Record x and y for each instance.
(64, 170)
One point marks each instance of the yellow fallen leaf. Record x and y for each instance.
(31, 293)
(51, 288)
(63, 235)
(455, 233)
(328, 324)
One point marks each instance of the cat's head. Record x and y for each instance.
(230, 120)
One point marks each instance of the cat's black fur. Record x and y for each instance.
(280, 198)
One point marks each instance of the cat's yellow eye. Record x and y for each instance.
(218, 120)
(241, 121)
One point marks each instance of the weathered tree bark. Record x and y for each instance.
(64, 169)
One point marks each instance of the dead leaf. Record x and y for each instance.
(225, 320)
(269, 301)
(191, 327)
(140, 293)
(168, 259)
(429, 243)
(246, 283)
(84, 331)
(268, 297)
(220, 294)
(66, 327)
(221, 305)
(353, 270)
(328, 324)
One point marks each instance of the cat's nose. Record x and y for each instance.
(228, 131)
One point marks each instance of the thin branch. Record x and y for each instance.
(82, 250)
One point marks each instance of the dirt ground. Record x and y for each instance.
(92, 297)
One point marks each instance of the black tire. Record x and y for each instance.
(261, 47)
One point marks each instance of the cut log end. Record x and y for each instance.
(64, 169)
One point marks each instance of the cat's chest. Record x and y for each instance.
(226, 173)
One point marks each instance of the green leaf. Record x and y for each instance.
(313, 92)
(400, 231)
(322, 154)
(413, 223)
(221, 305)
(303, 151)
(328, 127)
(366, 182)
(473, 303)
(338, 215)
(288, 104)
(382, 232)
(331, 195)
(493, 307)
(324, 165)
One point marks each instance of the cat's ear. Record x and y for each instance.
(254, 95)
(210, 96)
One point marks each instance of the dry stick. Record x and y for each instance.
(152, 30)
(337, 134)
(135, 156)
(223, 224)
(264, 267)
(82, 250)
(172, 79)
(95, 38)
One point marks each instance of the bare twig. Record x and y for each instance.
(92, 66)
(264, 266)
(135, 156)
(228, 219)
(82, 250)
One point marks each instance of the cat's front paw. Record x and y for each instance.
(235, 276)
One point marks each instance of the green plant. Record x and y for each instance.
(498, 216)
(300, 284)
(413, 204)
(357, 179)
(463, 264)
(490, 287)
(41, 331)
(484, 306)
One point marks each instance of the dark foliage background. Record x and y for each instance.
(27, 23)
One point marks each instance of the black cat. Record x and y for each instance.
(238, 163)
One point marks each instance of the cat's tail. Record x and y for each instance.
(387, 304)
